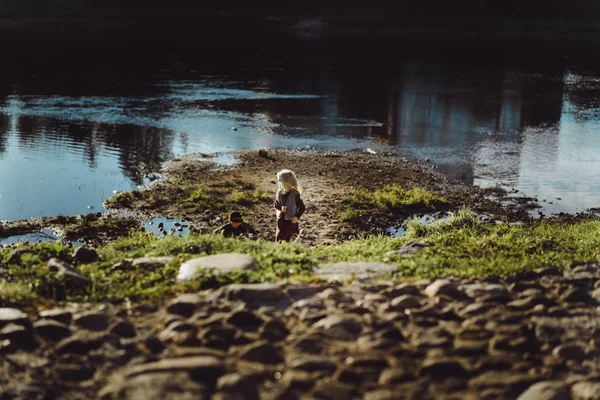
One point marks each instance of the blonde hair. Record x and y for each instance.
(287, 180)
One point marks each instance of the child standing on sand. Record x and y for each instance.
(288, 204)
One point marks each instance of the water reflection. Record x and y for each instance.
(66, 144)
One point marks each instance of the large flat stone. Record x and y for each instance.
(254, 291)
(210, 367)
(549, 390)
(12, 315)
(218, 264)
(344, 271)
(68, 273)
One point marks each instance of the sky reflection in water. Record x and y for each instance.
(66, 148)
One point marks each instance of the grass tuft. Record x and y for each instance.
(393, 197)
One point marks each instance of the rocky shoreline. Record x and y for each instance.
(529, 337)
(338, 330)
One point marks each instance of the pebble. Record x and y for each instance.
(68, 274)
(91, 320)
(57, 314)
(50, 329)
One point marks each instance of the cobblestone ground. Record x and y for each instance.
(535, 337)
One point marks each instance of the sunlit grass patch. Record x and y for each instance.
(247, 197)
(16, 294)
(464, 246)
(460, 246)
(393, 197)
(191, 196)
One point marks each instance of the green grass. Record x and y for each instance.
(462, 246)
(393, 197)
(249, 197)
(349, 214)
(190, 196)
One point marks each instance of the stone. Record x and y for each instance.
(409, 249)
(483, 289)
(151, 262)
(395, 375)
(528, 303)
(298, 380)
(123, 329)
(383, 394)
(586, 390)
(340, 326)
(263, 153)
(512, 382)
(163, 385)
(184, 304)
(313, 303)
(444, 287)
(68, 274)
(547, 390)
(14, 316)
(401, 290)
(218, 264)
(91, 320)
(313, 363)
(201, 368)
(548, 271)
(439, 368)
(57, 314)
(74, 373)
(308, 345)
(405, 302)
(473, 333)
(244, 319)
(50, 329)
(513, 343)
(575, 294)
(470, 347)
(236, 385)
(78, 344)
(344, 271)
(179, 332)
(85, 255)
(302, 291)
(15, 333)
(254, 291)
(331, 391)
(570, 351)
(262, 352)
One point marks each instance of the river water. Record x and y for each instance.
(75, 126)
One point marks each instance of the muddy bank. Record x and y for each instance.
(337, 186)
(92, 229)
(199, 192)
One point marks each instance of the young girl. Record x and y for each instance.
(288, 204)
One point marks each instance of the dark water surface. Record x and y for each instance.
(78, 124)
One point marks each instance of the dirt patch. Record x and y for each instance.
(93, 229)
(200, 191)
